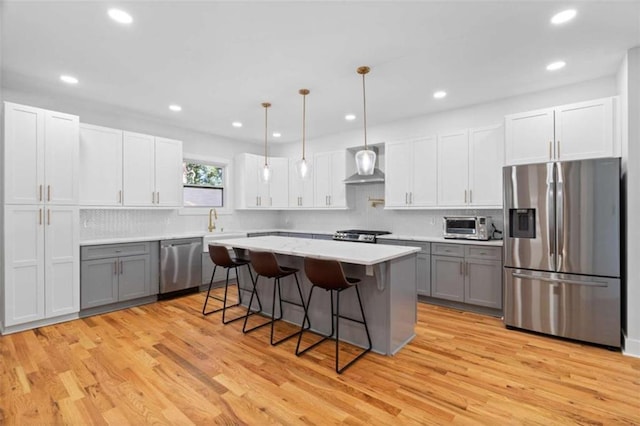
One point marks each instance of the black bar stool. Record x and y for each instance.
(266, 265)
(328, 275)
(220, 257)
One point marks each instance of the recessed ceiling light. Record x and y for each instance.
(69, 79)
(554, 66)
(175, 108)
(276, 134)
(350, 117)
(120, 16)
(564, 16)
(439, 94)
(236, 124)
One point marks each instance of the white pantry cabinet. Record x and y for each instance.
(254, 193)
(569, 132)
(100, 166)
(40, 156)
(152, 171)
(300, 190)
(41, 273)
(329, 172)
(411, 173)
(470, 167)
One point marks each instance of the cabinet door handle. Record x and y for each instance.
(558, 149)
(121, 268)
(48, 216)
(465, 196)
(550, 143)
(48, 192)
(470, 196)
(115, 267)
(329, 199)
(120, 196)
(153, 197)
(40, 216)
(40, 196)
(406, 198)
(158, 197)
(461, 269)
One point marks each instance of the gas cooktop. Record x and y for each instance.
(358, 235)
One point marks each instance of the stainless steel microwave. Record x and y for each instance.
(467, 227)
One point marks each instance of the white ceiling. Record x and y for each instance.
(220, 60)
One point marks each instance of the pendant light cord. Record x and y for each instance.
(304, 115)
(266, 106)
(364, 102)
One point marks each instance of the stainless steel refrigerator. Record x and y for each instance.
(562, 249)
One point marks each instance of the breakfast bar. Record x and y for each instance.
(388, 286)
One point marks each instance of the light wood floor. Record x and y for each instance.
(164, 363)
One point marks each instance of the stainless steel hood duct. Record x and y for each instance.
(376, 177)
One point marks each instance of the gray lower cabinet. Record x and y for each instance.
(117, 272)
(221, 273)
(423, 263)
(467, 273)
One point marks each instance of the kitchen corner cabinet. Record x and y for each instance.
(40, 156)
(152, 171)
(300, 190)
(470, 167)
(329, 173)
(41, 265)
(410, 168)
(252, 192)
(423, 263)
(467, 274)
(118, 272)
(569, 132)
(100, 166)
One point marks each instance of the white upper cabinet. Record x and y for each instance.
(453, 169)
(139, 170)
(569, 132)
(41, 156)
(100, 166)
(152, 171)
(168, 172)
(300, 190)
(486, 159)
(252, 192)
(329, 172)
(411, 173)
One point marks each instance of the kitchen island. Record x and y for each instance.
(388, 287)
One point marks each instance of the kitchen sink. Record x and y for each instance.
(214, 236)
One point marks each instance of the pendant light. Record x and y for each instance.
(302, 167)
(365, 158)
(265, 176)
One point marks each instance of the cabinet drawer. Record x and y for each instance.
(448, 249)
(483, 252)
(425, 248)
(114, 250)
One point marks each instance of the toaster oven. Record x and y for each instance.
(467, 227)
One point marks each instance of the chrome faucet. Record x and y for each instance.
(212, 224)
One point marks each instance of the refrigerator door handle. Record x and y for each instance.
(551, 225)
(559, 216)
(559, 280)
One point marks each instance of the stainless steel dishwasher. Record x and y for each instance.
(180, 264)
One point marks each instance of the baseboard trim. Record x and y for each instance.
(631, 347)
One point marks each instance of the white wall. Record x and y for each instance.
(629, 85)
(424, 222)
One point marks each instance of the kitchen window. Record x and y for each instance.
(203, 184)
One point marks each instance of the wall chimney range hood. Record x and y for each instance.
(376, 177)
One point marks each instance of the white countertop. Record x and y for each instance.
(343, 251)
(418, 238)
(234, 234)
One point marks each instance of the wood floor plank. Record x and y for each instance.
(165, 363)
